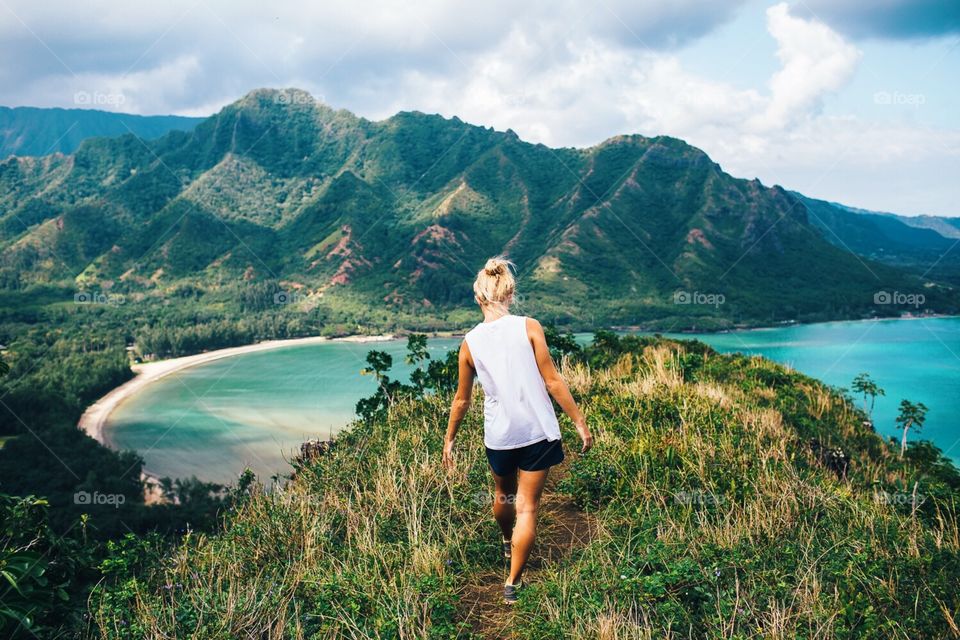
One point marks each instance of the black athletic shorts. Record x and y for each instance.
(533, 457)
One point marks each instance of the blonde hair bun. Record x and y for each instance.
(495, 283)
(495, 266)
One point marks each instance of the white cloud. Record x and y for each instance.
(155, 90)
(596, 85)
(814, 60)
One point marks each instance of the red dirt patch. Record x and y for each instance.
(696, 236)
(351, 262)
(436, 233)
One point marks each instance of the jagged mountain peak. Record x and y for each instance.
(277, 180)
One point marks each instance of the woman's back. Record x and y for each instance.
(517, 408)
(510, 357)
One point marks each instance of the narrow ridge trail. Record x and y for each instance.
(562, 528)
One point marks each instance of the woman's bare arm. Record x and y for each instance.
(461, 401)
(556, 385)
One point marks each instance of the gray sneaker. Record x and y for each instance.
(510, 592)
(507, 549)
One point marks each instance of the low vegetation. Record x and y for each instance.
(727, 496)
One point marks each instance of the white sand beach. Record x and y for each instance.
(94, 419)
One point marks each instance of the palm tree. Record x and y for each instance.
(865, 385)
(911, 415)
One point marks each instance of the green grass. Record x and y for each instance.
(712, 519)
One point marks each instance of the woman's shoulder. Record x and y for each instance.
(475, 330)
(531, 327)
(531, 322)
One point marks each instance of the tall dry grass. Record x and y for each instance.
(712, 520)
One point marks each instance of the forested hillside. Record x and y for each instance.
(279, 200)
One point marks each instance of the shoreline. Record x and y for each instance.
(779, 325)
(95, 417)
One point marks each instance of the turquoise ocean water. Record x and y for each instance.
(213, 420)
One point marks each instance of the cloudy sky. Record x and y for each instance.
(851, 101)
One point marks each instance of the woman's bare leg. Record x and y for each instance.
(529, 489)
(503, 500)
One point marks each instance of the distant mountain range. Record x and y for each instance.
(31, 131)
(927, 245)
(312, 208)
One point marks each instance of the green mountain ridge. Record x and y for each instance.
(922, 244)
(279, 190)
(35, 131)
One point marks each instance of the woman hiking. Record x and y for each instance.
(509, 355)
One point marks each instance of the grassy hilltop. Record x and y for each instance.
(726, 496)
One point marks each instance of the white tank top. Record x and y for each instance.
(516, 406)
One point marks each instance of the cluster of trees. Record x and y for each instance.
(54, 375)
(247, 314)
(911, 415)
(64, 496)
